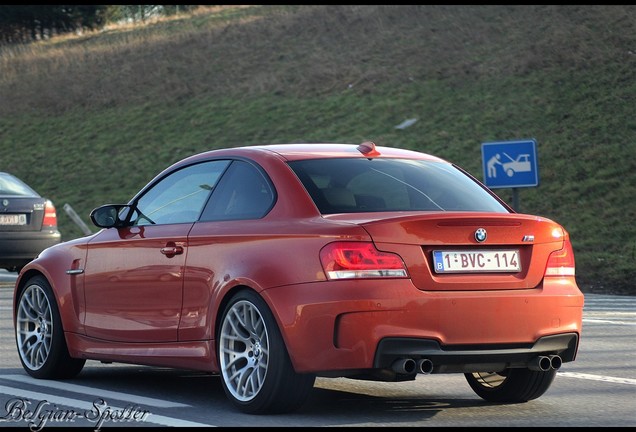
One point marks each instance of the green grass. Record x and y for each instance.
(90, 120)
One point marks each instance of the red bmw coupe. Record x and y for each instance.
(272, 265)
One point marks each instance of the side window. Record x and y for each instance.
(243, 193)
(179, 197)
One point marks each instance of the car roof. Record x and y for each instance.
(296, 151)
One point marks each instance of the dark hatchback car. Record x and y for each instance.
(28, 223)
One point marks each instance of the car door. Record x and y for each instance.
(222, 243)
(134, 274)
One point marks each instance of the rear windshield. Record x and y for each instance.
(10, 185)
(351, 185)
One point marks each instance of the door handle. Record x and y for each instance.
(171, 250)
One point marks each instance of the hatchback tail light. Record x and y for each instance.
(354, 260)
(561, 262)
(50, 216)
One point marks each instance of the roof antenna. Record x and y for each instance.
(368, 149)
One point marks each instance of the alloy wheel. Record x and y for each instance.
(244, 350)
(34, 327)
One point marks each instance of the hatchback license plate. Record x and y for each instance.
(476, 261)
(12, 219)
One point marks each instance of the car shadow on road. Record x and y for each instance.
(201, 398)
(342, 405)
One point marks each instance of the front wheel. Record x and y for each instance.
(256, 371)
(510, 385)
(39, 334)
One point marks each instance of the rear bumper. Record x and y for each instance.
(475, 358)
(18, 248)
(364, 325)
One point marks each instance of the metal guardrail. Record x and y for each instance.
(78, 221)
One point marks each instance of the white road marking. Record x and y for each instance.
(601, 321)
(597, 378)
(104, 394)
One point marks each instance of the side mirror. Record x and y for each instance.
(110, 215)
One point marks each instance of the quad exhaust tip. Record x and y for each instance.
(545, 363)
(404, 366)
(556, 361)
(410, 366)
(425, 366)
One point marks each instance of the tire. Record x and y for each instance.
(511, 385)
(256, 371)
(39, 334)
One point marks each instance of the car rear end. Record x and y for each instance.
(28, 223)
(450, 279)
(503, 302)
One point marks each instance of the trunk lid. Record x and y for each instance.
(415, 237)
(22, 214)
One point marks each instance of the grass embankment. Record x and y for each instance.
(90, 119)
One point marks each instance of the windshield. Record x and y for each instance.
(10, 185)
(348, 185)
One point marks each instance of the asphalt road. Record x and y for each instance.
(596, 390)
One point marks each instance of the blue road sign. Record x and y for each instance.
(510, 164)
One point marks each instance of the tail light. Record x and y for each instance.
(50, 216)
(561, 262)
(354, 260)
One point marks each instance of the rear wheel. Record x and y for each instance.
(510, 385)
(39, 334)
(256, 371)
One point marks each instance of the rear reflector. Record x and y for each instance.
(354, 260)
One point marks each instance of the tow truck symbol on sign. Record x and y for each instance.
(521, 164)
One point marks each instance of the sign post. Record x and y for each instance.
(510, 164)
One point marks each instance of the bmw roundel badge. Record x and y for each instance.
(480, 235)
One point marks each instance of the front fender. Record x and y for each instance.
(62, 266)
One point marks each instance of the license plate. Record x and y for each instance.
(13, 219)
(476, 261)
